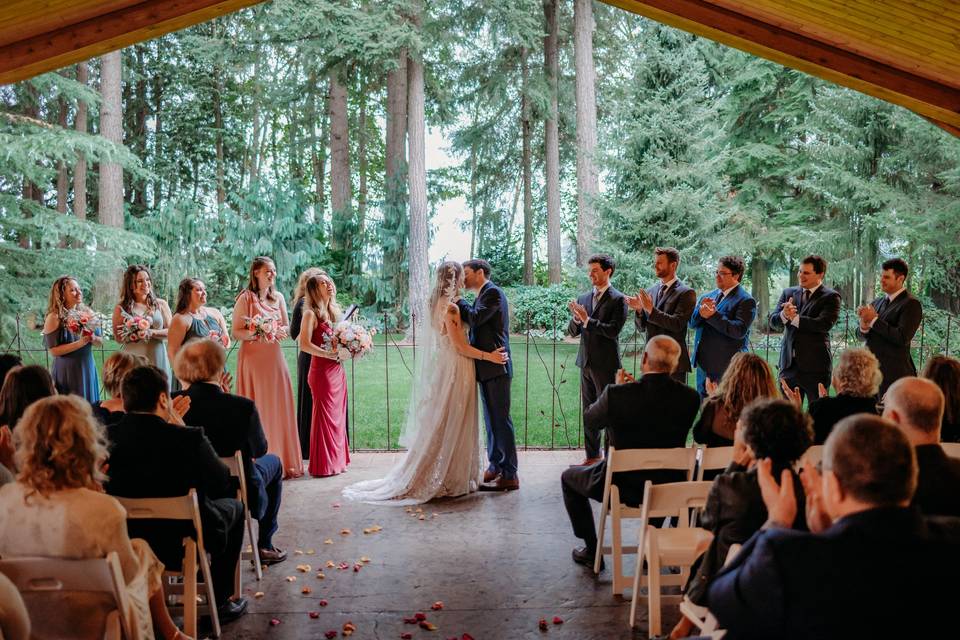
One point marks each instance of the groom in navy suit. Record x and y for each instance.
(489, 320)
(722, 320)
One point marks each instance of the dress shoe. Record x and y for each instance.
(501, 484)
(231, 610)
(586, 557)
(587, 462)
(490, 476)
(272, 556)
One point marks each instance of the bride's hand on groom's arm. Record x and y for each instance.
(500, 356)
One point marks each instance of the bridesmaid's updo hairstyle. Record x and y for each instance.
(57, 292)
(183, 294)
(258, 263)
(129, 282)
(60, 446)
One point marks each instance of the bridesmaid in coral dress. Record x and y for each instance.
(329, 453)
(262, 373)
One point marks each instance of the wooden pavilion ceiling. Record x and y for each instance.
(904, 51)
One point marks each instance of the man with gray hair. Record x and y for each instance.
(916, 406)
(653, 412)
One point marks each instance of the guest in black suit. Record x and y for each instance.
(916, 406)
(153, 455)
(872, 567)
(806, 314)
(945, 372)
(232, 424)
(665, 308)
(598, 317)
(652, 413)
(857, 381)
(889, 324)
(768, 428)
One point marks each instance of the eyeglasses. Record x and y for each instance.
(724, 273)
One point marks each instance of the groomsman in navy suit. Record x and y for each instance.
(722, 320)
(806, 314)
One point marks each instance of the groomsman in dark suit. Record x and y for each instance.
(665, 308)
(598, 317)
(889, 324)
(806, 314)
(722, 320)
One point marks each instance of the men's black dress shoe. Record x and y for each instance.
(585, 556)
(272, 556)
(231, 610)
(490, 476)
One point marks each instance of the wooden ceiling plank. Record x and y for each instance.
(873, 17)
(918, 94)
(147, 19)
(22, 19)
(940, 20)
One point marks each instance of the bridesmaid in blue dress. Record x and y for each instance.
(73, 368)
(137, 299)
(193, 319)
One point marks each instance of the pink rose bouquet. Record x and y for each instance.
(264, 327)
(216, 336)
(83, 322)
(135, 327)
(350, 340)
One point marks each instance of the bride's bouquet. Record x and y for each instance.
(82, 322)
(350, 340)
(135, 327)
(264, 327)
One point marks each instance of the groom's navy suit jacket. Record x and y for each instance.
(489, 320)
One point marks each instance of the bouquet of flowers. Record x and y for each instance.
(216, 336)
(350, 340)
(263, 327)
(82, 322)
(135, 327)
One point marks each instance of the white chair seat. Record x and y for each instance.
(682, 546)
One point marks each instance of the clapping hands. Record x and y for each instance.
(789, 310)
(781, 502)
(708, 308)
(579, 312)
(643, 301)
(867, 315)
(623, 377)
(179, 407)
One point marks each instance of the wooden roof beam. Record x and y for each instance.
(936, 101)
(103, 32)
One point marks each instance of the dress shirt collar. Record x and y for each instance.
(893, 296)
(727, 292)
(598, 291)
(669, 283)
(812, 290)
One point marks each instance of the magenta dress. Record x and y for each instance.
(329, 454)
(263, 377)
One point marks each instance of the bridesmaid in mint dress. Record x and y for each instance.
(137, 299)
(193, 319)
(73, 368)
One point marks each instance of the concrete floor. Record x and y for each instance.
(498, 562)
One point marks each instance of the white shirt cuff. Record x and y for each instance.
(796, 321)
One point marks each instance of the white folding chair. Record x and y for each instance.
(699, 615)
(813, 455)
(48, 585)
(713, 459)
(679, 547)
(185, 594)
(681, 458)
(235, 464)
(952, 449)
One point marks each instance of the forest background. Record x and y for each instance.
(296, 129)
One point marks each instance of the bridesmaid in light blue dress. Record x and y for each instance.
(73, 368)
(138, 299)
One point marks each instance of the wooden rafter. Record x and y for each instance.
(36, 37)
(842, 59)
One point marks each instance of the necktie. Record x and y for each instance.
(596, 299)
(804, 297)
(720, 298)
(660, 295)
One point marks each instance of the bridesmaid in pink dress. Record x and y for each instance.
(262, 373)
(329, 453)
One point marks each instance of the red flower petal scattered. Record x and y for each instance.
(436, 606)
(429, 626)
(557, 620)
(466, 636)
(330, 634)
(274, 622)
(410, 621)
(323, 603)
(356, 568)
(543, 624)
(420, 616)
(406, 636)
(314, 614)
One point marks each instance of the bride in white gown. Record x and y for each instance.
(442, 432)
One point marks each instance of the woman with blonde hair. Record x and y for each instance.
(138, 301)
(747, 378)
(304, 398)
(57, 509)
(856, 379)
(73, 368)
(262, 374)
(115, 369)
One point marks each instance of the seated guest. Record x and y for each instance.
(57, 509)
(232, 423)
(856, 379)
(768, 429)
(653, 412)
(747, 378)
(916, 406)
(945, 371)
(114, 369)
(22, 387)
(153, 455)
(871, 567)
(8, 361)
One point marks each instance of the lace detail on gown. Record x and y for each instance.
(444, 457)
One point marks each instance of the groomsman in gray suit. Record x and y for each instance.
(666, 307)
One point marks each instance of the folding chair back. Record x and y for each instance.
(679, 459)
(235, 464)
(713, 459)
(72, 598)
(182, 508)
(952, 449)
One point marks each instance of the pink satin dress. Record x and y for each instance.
(329, 452)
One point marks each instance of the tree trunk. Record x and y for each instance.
(473, 199)
(417, 188)
(551, 142)
(395, 191)
(340, 193)
(587, 178)
(140, 133)
(760, 289)
(80, 171)
(63, 175)
(217, 105)
(870, 254)
(253, 160)
(111, 128)
(362, 161)
(158, 91)
(527, 188)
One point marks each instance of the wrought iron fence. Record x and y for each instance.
(543, 366)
